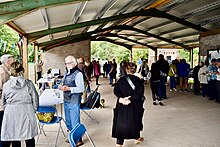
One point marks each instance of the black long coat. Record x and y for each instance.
(127, 121)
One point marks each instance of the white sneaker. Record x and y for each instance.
(174, 89)
(171, 90)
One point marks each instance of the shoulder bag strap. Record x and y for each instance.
(172, 70)
(130, 83)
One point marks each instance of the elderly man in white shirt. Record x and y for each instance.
(72, 87)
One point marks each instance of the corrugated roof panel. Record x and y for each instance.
(43, 39)
(61, 15)
(60, 35)
(31, 22)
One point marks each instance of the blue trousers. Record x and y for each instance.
(172, 82)
(72, 115)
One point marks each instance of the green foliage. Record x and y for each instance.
(10, 37)
(140, 53)
(186, 55)
(104, 50)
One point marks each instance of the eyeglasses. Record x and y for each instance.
(68, 62)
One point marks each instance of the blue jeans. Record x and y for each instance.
(172, 82)
(111, 79)
(162, 88)
(1, 118)
(72, 115)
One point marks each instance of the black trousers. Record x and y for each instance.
(196, 87)
(212, 90)
(155, 90)
(39, 75)
(218, 91)
(29, 143)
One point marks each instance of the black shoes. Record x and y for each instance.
(161, 104)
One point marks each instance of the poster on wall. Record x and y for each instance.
(215, 53)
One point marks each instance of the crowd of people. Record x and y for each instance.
(19, 94)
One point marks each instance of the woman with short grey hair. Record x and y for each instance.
(20, 101)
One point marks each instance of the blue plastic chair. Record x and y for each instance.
(76, 133)
(56, 120)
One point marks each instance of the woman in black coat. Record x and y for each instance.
(127, 122)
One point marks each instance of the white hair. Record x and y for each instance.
(4, 58)
(72, 59)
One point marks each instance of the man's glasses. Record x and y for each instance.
(68, 63)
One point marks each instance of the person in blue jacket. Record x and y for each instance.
(183, 69)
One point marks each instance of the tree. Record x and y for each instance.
(104, 50)
(8, 40)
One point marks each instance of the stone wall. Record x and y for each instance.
(209, 43)
(54, 58)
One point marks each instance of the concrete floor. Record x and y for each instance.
(186, 120)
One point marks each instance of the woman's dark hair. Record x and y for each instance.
(16, 69)
(131, 67)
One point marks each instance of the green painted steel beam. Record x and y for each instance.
(89, 34)
(158, 13)
(27, 5)
(9, 17)
(131, 40)
(121, 27)
(12, 10)
(36, 35)
(126, 27)
(149, 12)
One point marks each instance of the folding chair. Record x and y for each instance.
(56, 120)
(76, 133)
(90, 104)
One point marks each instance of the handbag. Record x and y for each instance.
(133, 86)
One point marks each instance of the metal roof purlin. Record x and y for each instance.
(134, 41)
(81, 7)
(104, 9)
(46, 21)
(11, 10)
(36, 35)
(150, 12)
(121, 27)
(198, 11)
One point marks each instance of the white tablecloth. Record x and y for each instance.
(51, 97)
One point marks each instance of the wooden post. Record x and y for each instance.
(131, 55)
(155, 57)
(35, 59)
(191, 57)
(25, 57)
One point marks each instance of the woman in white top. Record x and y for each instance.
(202, 76)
